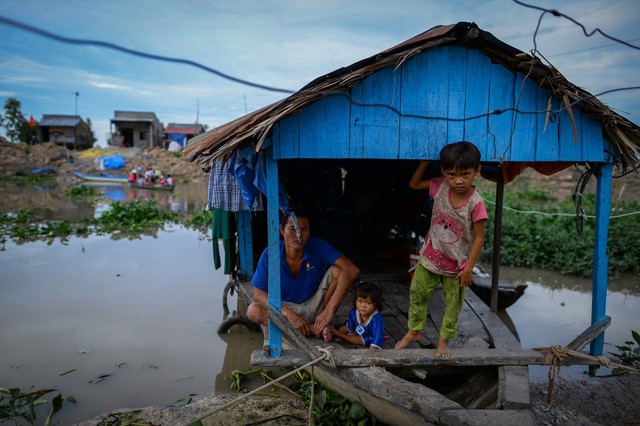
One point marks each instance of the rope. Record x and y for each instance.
(326, 355)
(556, 357)
(313, 382)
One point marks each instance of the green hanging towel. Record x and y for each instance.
(221, 228)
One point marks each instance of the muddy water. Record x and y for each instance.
(145, 311)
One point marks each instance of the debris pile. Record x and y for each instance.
(20, 159)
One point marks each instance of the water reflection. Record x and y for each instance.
(52, 202)
(556, 308)
(145, 311)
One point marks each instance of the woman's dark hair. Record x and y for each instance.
(460, 155)
(366, 289)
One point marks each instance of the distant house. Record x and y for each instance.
(180, 133)
(139, 129)
(66, 130)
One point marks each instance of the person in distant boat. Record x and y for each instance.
(314, 278)
(148, 175)
(453, 243)
(132, 176)
(365, 326)
(162, 181)
(169, 180)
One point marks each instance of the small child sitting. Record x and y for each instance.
(365, 326)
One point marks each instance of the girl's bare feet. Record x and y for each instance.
(411, 336)
(443, 348)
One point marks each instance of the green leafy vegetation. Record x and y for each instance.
(30, 179)
(551, 241)
(16, 125)
(330, 407)
(122, 220)
(629, 353)
(81, 191)
(19, 407)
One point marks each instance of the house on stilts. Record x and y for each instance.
(347, 143)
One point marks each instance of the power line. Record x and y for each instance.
(556, 13)
(572, 52)
(69, 40)
(108, 45)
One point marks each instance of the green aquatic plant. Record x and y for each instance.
(17, 406)
(200, 219)
(629, 353)
(81, 191)
(330, 407)
(237, 376)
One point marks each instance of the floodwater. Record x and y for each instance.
(144, 311)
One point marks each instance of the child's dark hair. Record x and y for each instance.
(366, 289)
(460, 155)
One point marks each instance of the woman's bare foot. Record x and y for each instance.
(411, 336)
(326, 334)
(443, 348)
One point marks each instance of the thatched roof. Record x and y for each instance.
(252, 129)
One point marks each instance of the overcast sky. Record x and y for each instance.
(281, 43)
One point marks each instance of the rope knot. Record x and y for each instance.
(328, 355)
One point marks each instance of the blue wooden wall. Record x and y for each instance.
(451, 82)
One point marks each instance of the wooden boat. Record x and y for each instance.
(485, 381)
(104, 178)
(508, 293)
(152, 186)
(412, 386)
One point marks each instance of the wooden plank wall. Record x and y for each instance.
(445, 82)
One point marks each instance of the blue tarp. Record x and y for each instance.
(114, 161)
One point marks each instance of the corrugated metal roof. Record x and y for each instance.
(187, 129)
(132, 120)
(254, 128)
(60, 120)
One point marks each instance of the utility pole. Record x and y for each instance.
(76, 110)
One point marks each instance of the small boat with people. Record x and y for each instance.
(152, 186)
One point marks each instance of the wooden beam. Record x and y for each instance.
(589, 334)
(417, 357)
(497, 240)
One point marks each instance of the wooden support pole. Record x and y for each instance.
(600, 261)
(497, 239)
(273, 232)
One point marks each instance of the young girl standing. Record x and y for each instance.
(452, 245)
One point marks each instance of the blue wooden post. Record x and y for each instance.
(600, 261)
(273, 232)
(245, 243)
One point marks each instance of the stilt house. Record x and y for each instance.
(348, 142)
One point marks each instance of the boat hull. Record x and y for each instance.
(104, 178)
(153, 187)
